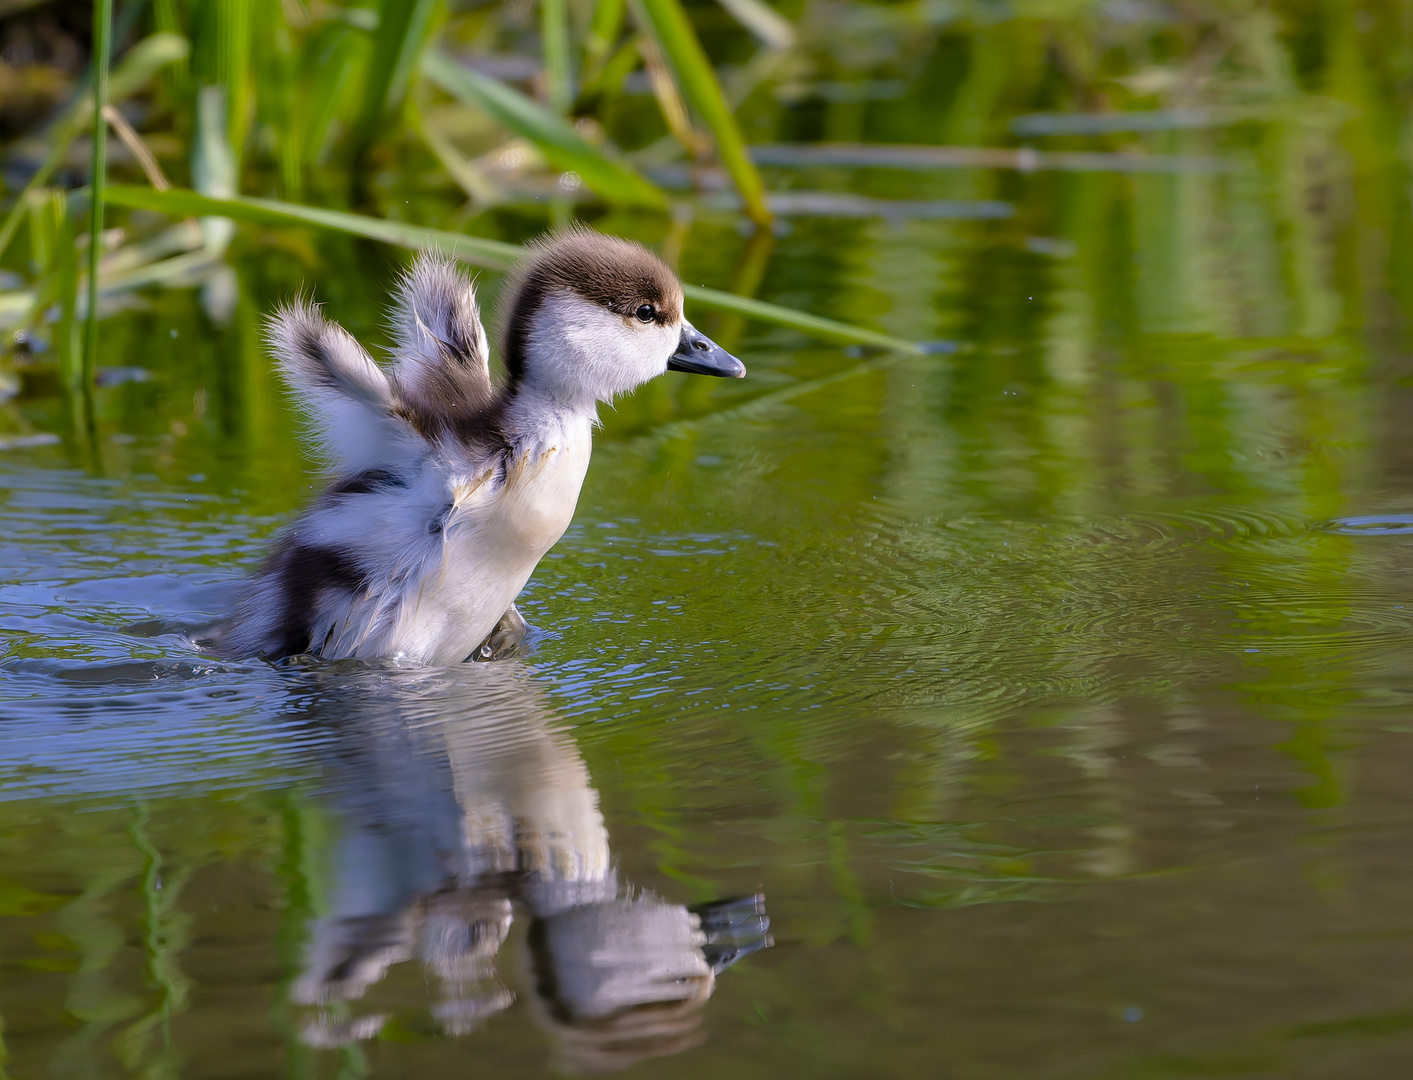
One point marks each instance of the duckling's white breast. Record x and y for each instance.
(540, 492)
(495, 536)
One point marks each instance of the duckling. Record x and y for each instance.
(449, 487)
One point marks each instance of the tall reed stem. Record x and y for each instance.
(102, 45)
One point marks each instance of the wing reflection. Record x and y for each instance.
(462, 807)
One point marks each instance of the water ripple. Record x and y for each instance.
(1371, 525)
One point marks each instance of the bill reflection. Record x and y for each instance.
(461, 809)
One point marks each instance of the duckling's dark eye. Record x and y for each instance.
(646, 313)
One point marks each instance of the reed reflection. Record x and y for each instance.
(461, 807)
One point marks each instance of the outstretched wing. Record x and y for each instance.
(350, 401)
(442, 374)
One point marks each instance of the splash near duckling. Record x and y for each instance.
(449, 488)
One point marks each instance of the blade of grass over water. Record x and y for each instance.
(490, 254)
(182, 202)
(697, 80)
(564, 147)
(102, 31)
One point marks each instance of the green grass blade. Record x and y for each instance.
(330, 61)
(773, 29)
(278, 102)
(554, 35)
(143, 60)
(43, 228)
(59, 149)
(491, 254)
(606, 80)
(98, 176)
(604, 31)
(166, 18)
(403, 27)
(697, 80)
(182, 202)
(66, 338)
(235, 74)
(221, 57)
(564, 148)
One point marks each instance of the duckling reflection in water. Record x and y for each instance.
(462, 808)
(450, 489)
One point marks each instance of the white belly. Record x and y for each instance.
(493, 540)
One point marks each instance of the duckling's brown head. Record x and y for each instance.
(589, 316)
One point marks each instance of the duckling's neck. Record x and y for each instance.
(536, 418)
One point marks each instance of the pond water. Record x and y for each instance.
(1039, 707)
